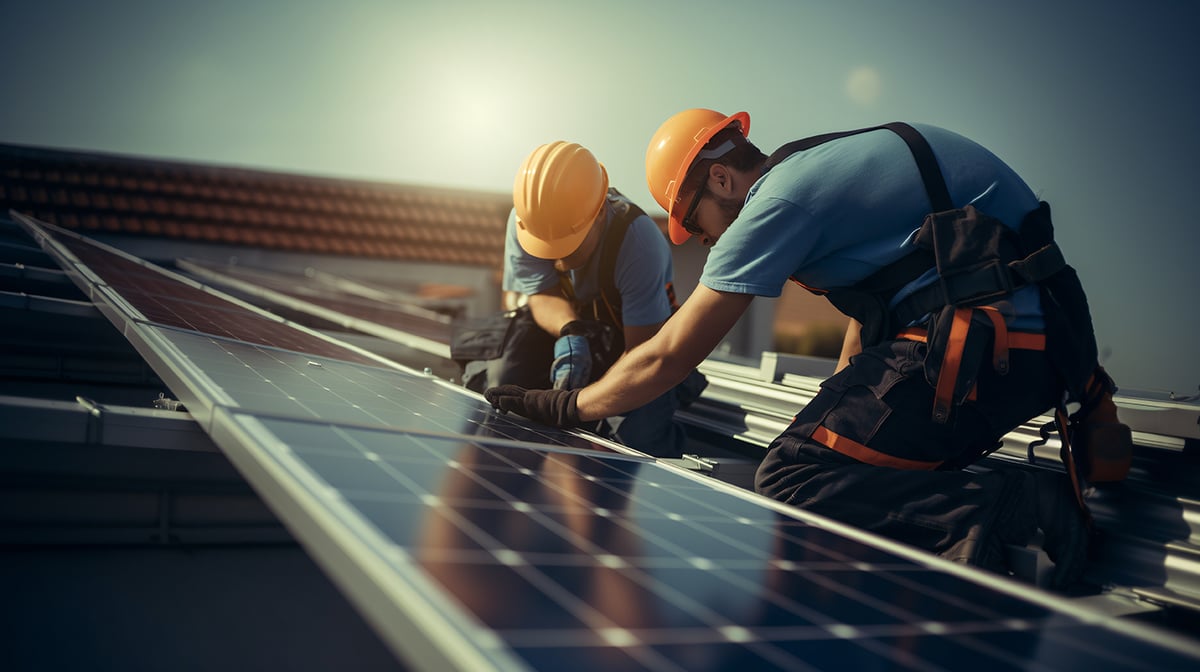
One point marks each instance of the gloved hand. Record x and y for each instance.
(550, 407)
(572, 365)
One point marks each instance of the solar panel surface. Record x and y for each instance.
(319, 296)
(274, 382)
(166, 300)
(478, 541)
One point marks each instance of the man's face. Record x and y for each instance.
(709, 215)
(584, 252)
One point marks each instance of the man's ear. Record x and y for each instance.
(720, 180)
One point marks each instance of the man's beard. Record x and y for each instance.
(730, 207)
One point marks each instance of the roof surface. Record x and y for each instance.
(100, 193)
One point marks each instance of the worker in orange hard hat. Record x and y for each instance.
(680, 143)
(598, 276)
(966, 322)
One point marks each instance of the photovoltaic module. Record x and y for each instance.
(373, 311)
(476, 541)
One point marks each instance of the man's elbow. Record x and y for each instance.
(673, 365)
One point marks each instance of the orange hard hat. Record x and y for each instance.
(558, 192)
(671, 153)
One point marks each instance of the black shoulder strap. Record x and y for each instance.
(624, 212)
(931, 174)
(863, 300)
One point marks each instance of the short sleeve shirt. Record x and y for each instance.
(834, 214)
(643, 270)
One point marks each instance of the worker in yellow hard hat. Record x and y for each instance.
(966, 322)
(597, 273)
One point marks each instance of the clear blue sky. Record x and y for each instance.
(1096, 104)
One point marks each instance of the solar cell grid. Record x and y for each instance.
(644, 568)
(275, 382)
(164, 300)
(412, 320)
(530, 548)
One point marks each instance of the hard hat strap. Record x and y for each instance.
(716, 152)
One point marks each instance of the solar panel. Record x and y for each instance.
(476, 541)
(387, 317)
(271, 381)
(157, 297)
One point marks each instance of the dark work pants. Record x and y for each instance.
(884, 401)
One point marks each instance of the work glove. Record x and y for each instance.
(572, 365)
(549, 407)
(584, 348)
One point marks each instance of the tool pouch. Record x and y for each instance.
(503, 348)
(1101, 444)
(972, 251)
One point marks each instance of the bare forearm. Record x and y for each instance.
(551, 312)
(639, 377)
(643, 374)
(652, 368)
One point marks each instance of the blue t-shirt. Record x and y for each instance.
(643, 269)
(832, 215)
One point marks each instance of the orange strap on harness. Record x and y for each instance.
(1003, 340)
(851, 448)
(1017, 340)
(944, 391)
(943, 396)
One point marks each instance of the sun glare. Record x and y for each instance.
(863, 85)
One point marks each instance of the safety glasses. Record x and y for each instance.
(688, 222)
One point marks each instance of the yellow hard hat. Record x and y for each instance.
(671, 153)
(558, 192)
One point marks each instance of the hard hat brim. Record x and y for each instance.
(558, 248)
(675, 230)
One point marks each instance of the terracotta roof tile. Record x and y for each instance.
(135, 196)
